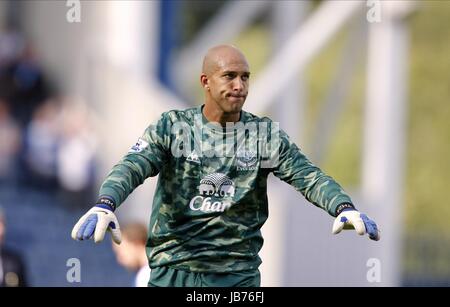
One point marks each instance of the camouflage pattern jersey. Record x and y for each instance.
(211, 196)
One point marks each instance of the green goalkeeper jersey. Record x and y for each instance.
(211, 198)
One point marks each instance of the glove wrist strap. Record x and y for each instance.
(106, 202)
(343, 207)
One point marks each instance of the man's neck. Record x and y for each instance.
(218, 116)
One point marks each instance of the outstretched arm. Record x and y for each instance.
(320, 189)
(144, 159)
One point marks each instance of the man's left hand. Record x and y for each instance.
(353, 219)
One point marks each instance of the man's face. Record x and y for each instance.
(228, 84)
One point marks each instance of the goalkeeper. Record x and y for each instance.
(211, 198)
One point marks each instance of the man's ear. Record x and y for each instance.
(204, 81)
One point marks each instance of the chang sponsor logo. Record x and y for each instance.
(216, 191)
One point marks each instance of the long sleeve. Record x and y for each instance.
(144, 159)
(318, 188)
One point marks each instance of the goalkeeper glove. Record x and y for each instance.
(96, 221)
(352, 219)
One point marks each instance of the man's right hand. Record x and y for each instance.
(95, 223)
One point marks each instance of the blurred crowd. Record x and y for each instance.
(47, 141)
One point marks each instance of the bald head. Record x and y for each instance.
(225, 81)
(221, 55)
